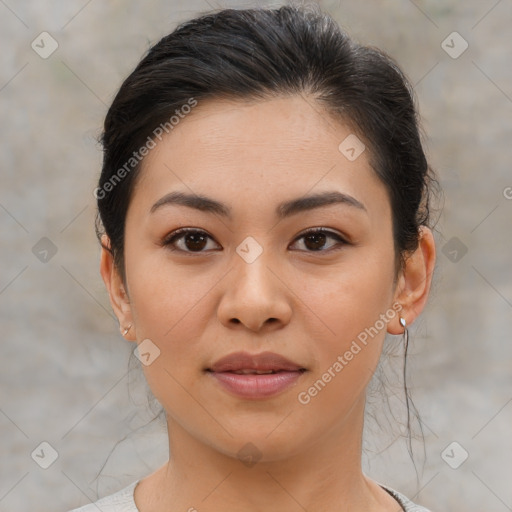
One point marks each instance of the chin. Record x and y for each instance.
(257, 445)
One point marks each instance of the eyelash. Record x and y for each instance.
(180, 233)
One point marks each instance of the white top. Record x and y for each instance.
(123, 501)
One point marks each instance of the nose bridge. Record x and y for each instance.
(253, 277)
(254, 294)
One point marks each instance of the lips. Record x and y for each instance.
(257, 376)
(244, 363)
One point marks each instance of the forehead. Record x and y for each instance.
(272, 149)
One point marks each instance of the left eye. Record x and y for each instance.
(315, 239)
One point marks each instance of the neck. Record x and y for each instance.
(325, 475)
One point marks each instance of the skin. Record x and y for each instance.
(304, 304)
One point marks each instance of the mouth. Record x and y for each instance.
(250, 385)
(263, 363)
(257, 376)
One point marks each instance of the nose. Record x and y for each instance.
(254, 297)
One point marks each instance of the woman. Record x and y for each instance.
(264, 221)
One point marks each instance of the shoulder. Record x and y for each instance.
(121, 501)
(406, 503)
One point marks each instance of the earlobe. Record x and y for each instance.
(119, 299)
(394, 326)
(414, 283)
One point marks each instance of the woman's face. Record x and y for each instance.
(254, 282)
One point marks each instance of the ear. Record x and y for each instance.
(413, 285)
(118, 296)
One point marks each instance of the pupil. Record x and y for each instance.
(195, 241)
(318, 240)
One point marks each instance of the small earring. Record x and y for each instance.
(405, 334)
(125, 332)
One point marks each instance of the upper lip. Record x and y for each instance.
(244, 361)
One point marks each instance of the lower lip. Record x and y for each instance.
(256, 386)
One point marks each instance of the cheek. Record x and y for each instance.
(166, 297)
(345, 310)
(167, 306)
(172, 306)
(348, 344)
(348, 298)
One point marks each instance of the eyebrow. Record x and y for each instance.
(285, 209)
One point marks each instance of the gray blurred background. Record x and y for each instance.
(65, 376)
